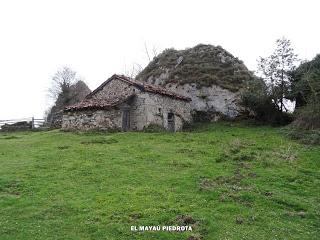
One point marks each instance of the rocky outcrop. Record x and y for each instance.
(212, 77)
(210, 102)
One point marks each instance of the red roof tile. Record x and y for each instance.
(98, 104)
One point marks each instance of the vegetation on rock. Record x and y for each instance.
(203, 65)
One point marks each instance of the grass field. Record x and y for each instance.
(227, 181)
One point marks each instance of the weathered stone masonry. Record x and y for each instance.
(121, 103)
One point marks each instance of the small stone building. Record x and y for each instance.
(120, 103)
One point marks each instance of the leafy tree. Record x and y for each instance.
(257, 99)
(306, 91)
(275, 70)
(305, 83)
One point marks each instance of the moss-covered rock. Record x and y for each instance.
(204, 65)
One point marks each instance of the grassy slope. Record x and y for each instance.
(236, 182)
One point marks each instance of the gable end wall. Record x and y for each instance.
(115, 87)
(149, 108)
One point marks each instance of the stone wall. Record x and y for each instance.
(145, 109)
(152, 109)
(18, 126)
(92, 120)
(115, 87)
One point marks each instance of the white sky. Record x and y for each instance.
(99, 38)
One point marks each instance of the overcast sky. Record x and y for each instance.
(100, 38)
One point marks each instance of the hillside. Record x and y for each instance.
(227, 181)
(202, 64)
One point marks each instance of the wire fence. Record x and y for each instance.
(30, 121)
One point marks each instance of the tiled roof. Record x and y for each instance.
(142, 86)
(98, 104)
(90, 103)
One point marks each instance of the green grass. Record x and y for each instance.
(228, 181)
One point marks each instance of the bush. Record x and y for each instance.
(305, 90)
(311, 137)
(308, 117)
(260, 106)
(306, 126)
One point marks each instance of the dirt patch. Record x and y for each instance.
(185, 220)
(10, 188)
(198, 227)
(195, 237)
(268, 194)
(301, 214)
(135, 216)
(245, 220)
(207, 184)
(227, 180)
(239, 220)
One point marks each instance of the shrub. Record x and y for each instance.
(260, 106)
(310, 137)
(308, 117)
(306, 126)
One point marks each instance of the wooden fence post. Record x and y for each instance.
(32, 123)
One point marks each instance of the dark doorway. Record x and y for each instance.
(171, 124)
(125, 120)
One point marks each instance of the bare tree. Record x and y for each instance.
(136, 68)
(154, 52)
(147, 51)
(66, 89)
(132, 72)
(61, 82)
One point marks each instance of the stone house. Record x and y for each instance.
(121, 103)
